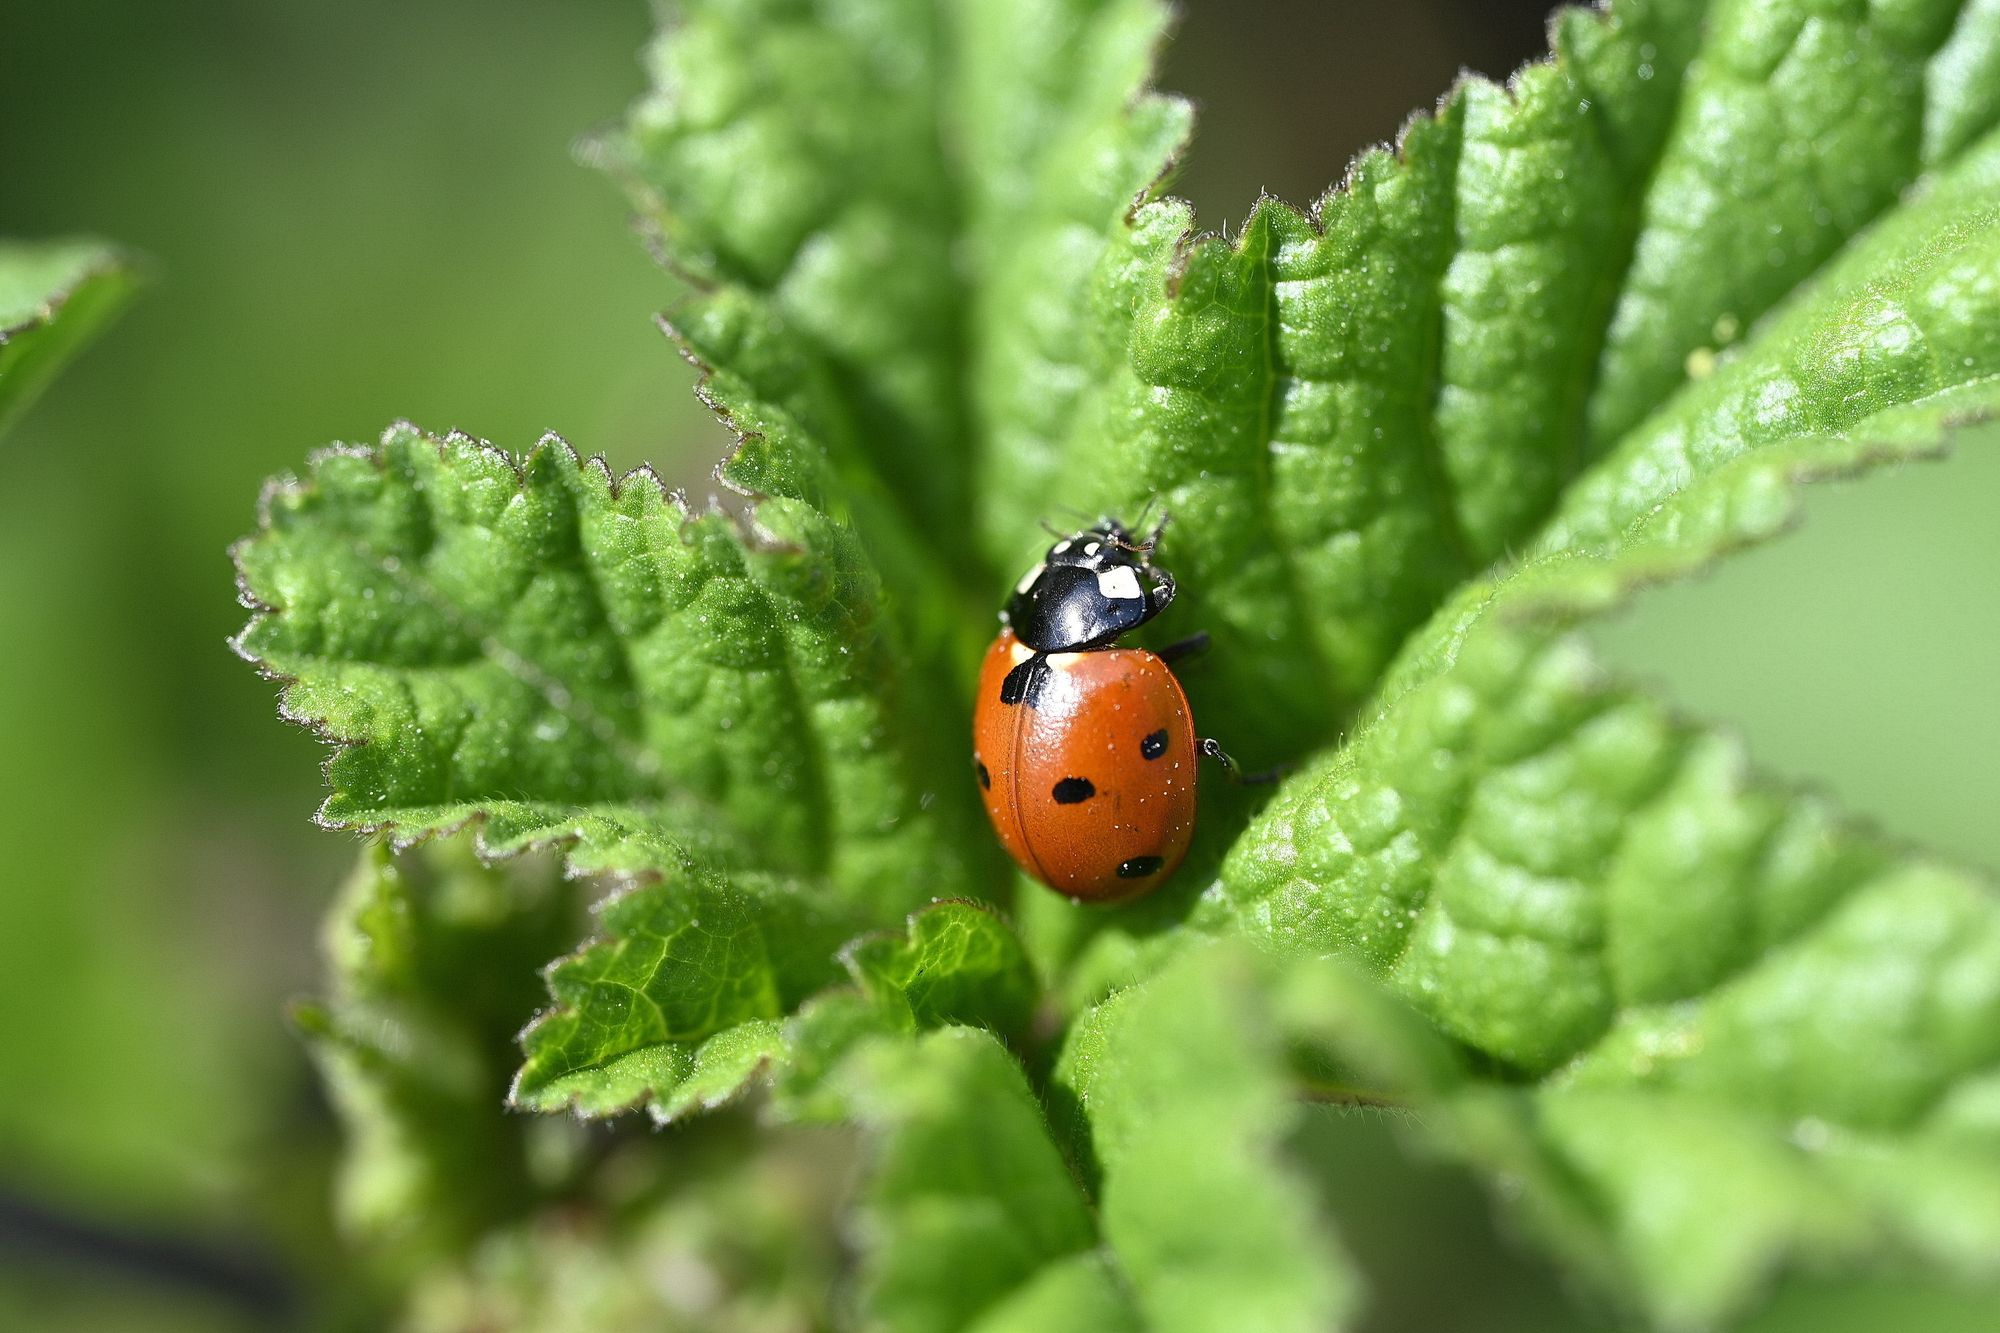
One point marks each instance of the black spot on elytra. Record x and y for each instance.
(1154, 745)
(1073, 791)
(1139, 867)
(1024, 683)
(985, 778)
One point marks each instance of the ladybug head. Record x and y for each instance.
(1090, 588)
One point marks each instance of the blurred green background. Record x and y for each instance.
(357, 212)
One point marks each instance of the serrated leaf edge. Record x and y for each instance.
(754, 536)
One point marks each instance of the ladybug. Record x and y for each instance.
(1086, 752)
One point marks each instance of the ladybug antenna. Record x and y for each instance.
(1152, 541)
(1146, 509)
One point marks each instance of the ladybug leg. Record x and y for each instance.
(1123, 536)
(1213, 749)
(1163, 590)
(1179, 650)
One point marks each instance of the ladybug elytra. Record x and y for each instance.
(1086, 752)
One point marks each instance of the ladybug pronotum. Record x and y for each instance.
(1086, 752)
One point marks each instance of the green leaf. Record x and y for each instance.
(883, 209)
(1688, 1199)
(54, 297)
(557, 657)
(553, 655)
(678, 1005)
(1061, 139)
(967, 1200)
(790, 158)
(1080, 1294)
(1906, 312)
(1348, 413)
(675, 1007)
(1799, 125)
(1175, 1097)
(953, 962)
(1351, 411)
(432, 973)
(1692, 1197)
(1181, 1090)
(1705, 976)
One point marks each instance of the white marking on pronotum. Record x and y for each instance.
(1062, 548)
(1028, 579)
(1092, 549)
(1120, 583)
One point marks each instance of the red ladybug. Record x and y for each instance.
(1086, 752)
